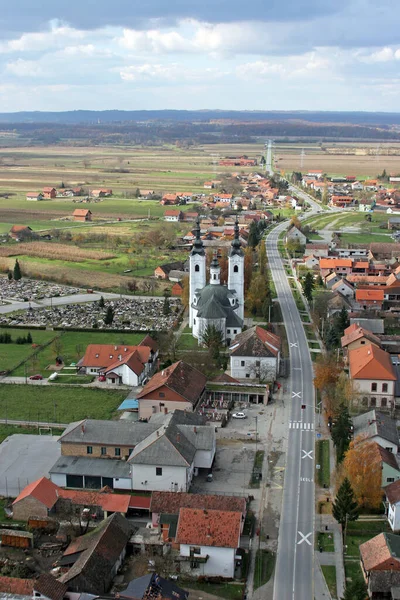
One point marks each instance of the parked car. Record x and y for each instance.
(239, 415)
(102, 377)
(53, 376)
(36, 377)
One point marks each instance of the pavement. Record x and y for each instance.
(25, 458)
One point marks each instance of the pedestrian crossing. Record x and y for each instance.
(301, 425)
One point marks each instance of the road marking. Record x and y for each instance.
(306, 480)
(294, 345)
(307, 454)
(301, 425)
(296, 394)
(304, 538)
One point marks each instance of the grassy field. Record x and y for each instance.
(329, 572)
(264, 567)
(322, 458)
(6, 430)
(71, 345)
(12, 354)
(230, 591)
(57, 403)
(325, 541)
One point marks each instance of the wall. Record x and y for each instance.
(204, 458)
(364, 390)
(28, 507)
(267, 368)
(385, 444)
(165, 482)
(394, 516)
(59, 479)
(358, 343)
(146, 407)
(389, 473)
(221, 561)
(68, 449)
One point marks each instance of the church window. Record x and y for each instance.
(236, 269)
(197, 268)
(242, 363)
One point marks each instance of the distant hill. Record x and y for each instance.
(77, 117)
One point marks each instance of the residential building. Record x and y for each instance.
(129, 365)
(177, 289)
(163, 271)
(255, 354)
(380, 564)
(389, 466)
(374, 325)
(356, 336)
(179, 386)
(173, 216)
(370, 299)
(101, 193)
(19, 233)
(372, 371)
(208, 185)
(392, 493)
(295, 234)
(49, 192)
(208, 541)
(341, 266)
(344, 287)
(152, 586)
(34, 196)
(47, 587)
(91, 561)
(377, 427)
(82, 214)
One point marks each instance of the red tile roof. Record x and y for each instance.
(50, 587)
(203, 527)
(172, 213)
(392, 492)
(172, 502)
(81, 212)
(105, 356)
(108, 502)
(370, 295)
(181, 378)
(376, 554)
(370, 362)
(357, 334)
(43, 490)
(333, 263)
(15, 585)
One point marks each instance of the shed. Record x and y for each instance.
(16, 538)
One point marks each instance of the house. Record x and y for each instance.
(91, 561)
(82, 214)
(378, 427)
(317, 173)
(102, 193)
(34, 196)
(78, 191)
(370, 299)
(173, 216)
(170, 199)
(208, 541)
(147, 193)
(389, 466)
(163, 271)
(179, 386)
(341, 266)
(208, 185)
(170, 503)
(20, 233)
(344, 287)
(331, 280)
(380, 564)
(129, 365)
(177, 289)
(169, 458)
(317, 249)
(152, 586)
(371, 369)
(37, 498)
(255, 354)
(47, 587)
(394, 223)
(16, 588)
(376, 326)
(392, 493)
(49, 192)
(356, 336)
(311, 261)
(295, 234)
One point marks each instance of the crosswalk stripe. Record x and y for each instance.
(301, 425)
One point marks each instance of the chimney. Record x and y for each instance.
(83, 427)
(158, 433)
(195, 429)
(115, 347)
(178, 437)
(162, 373)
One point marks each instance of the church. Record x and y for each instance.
(215, 304)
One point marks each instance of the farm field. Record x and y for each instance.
(12, 354)
(363, 160)
(71, 345)
(57, 403)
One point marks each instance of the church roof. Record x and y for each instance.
(198, 247)
(214, 302)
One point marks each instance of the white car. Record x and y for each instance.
(239, 415)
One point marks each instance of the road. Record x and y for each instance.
(295, 557)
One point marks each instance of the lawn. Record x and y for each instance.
(374, 526)
(231, 591)
(257, 467)
(264, 567)
(362, 238)
(73, 379)
(353, 543)
(325, 541)
(12, 354)
(6, 430)
(57, 403)
(352, 570)
(187, 342)
(71, 345)
(329, 572)
(322, 458)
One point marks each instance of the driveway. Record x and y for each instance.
(25, 458)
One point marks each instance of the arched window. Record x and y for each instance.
(236, 269)
(197, 268)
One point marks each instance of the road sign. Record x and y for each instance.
(317, 466)
(318, 435)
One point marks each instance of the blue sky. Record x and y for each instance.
(196, 54)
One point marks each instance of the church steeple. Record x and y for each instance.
(236, 247)
(198, 247)
(215, 271)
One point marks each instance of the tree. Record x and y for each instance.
(325, 195)
(109, 316)
(345, 507)
(356, 590)
(308, 286)
(331, 338)
(57, 346)
(185, 291)
(137, 193)
(248, 267)
(342, 321)
(29, 339)
(295, 222)
(9, 275)
(213, 340)
(327, 373)
(253, 238)
(262, 258)
(101, 302)
(17, 270)
(341, 431)
(257, 294)
(363, 467)
(166, 305)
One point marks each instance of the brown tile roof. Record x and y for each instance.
(19, 228)
(204, 527)
(358, 333)
(42, 489)
(225, 378)
(392, 492)
(370, 295)
(15, 585)
(386, 456)
(378, 553)
(370, 362)
(81, 212)
(256, 341)
(105, 355)
(50, 587)
(181, 378)
(172, 502)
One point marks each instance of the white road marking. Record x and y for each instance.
(296, 394)
(301, 425)
(307, 454)
(304, 538)
(294, 345)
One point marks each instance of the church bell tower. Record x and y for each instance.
(197, 270)
(236, 270)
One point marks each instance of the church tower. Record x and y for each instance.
(215, 271)
(236, 270)
(197, 270)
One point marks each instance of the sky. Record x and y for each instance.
(60, 55)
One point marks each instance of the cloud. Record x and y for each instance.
(25, 68)
(169, 73)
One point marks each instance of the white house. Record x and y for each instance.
(344, 287)
(296, 234)
(392, 492)
(255, 354)
(173, 216)
(377, 427)
(371, 369)
(208, 541)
